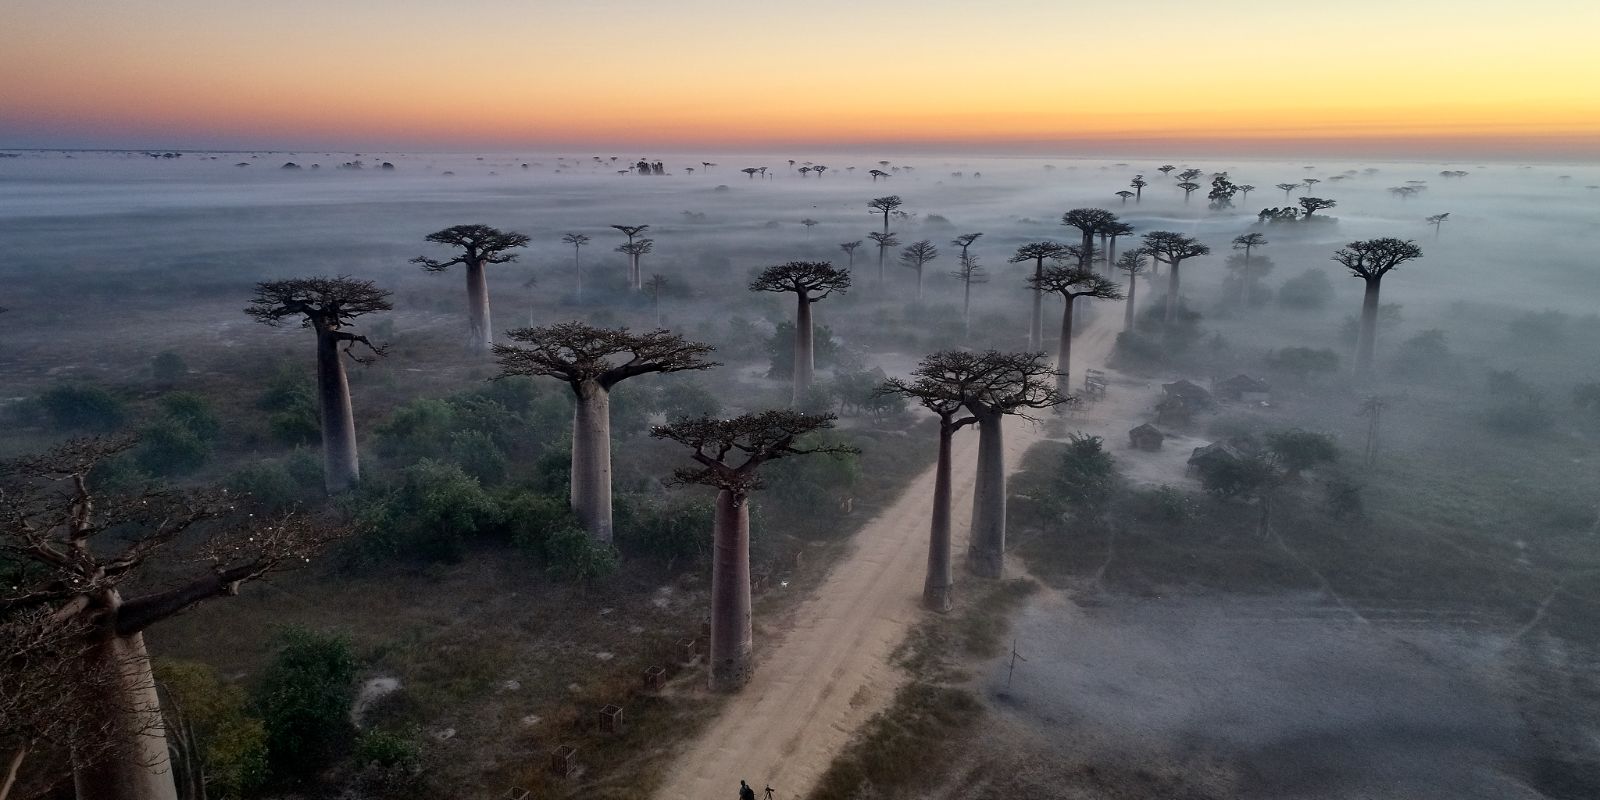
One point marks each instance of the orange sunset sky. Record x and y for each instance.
(1468, 77)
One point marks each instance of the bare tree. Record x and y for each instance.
(1370, 260)
(810, 281)
(1315, 204)
(1015, 382)
(1089, 222)
(849, 249)
(1244, 191)
(1310, 183)
(1125, 194)
(1165, 169)
(592, 361)
(1134, 263)
(884, 242)
(886, 205)
(480, 246)
(729, 453)
(1287, 188)
(1189, 174)
(1247, 242)
(1437, 221)
(328, 306)
(1138, 183)
(1072, 283)
(635, 250)
(632, 232)
(1037, 252)
(1172, 248)
(915, 256)
(577, 240)
(1188, 188)
(79, 548)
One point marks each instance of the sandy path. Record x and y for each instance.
(830, 672)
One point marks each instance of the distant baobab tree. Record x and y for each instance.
(1244, 191)
(328, 306)
(1172, 248)
(916, 256)
(884, 242)
(809, 223)
(886, 205)
(592, 361)
(849, 249)
(1314, 204)
(1138, 183)
(969, 271)
(72, 550)
(1310, 183)
(1125, 194)
(1370, 260)
(1134, 263)
(791, 163)
(1437, 221)
(1072, 283)
(656, 283)
(1287, 188)
(1165, 169)
(1404, 192)
(876, 174)
(804, 171)
(1015, 383)
(964, 241)
(635, 250)
(750, 172)
(1189, 174)
(819, 169)
(763, 171)
(480, 246)
(810, 281)
(631, 231)
(728, 453)
(577, 240)
(707, 165)
(1037, 252)
(1188, 188)
(1110, 234)
(688, 170)
(1247, 242)
(1089, 222)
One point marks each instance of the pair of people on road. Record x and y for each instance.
(747, 793)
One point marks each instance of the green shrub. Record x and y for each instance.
(287, 389)
(431, 514)
(1164, 504)
(571, 554)
(167, 447)
(192, 411)
(168, 367)
(1085, 477)
(232, 743)
(528, 518)
(1298, 450)
(279, 484)
(478, 456)
(388, 749)
(294, 427)
(304, 701)
(78, 407)
(677, 529)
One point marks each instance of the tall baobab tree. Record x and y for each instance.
(1037, 252)
(964, 241)
(1189, 174)
(804, 171)
(884, 242)
(480, 246)
(876, 174)
(1016, 382)
(1125, 194)
(577, 240)
(1165, 169)
(1172, 249)
(1437, 221)
(1315, 204)
(849, 249)
(592, 361)
(634, 250)
(750, 172)
(728, 454)
(819, 169)
(1287, 188)
(1072, 283)
(1134, 263)
(1188, 188)
(1247, 242)
(916, 256)
(1110, 234)
(809, 223)
(631, 231)
(1370, 260)
(328, 306)
(656, 284)
(1310, 183)
(80, 548)
(1244, 191)
(970, 271)
(810, 281)
(886, 205)
(1089, 222)
(1138, 183)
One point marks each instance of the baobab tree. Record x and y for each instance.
(1188, 188)
(884, 242)
(79, 549)
(810, 281)
(656, 283)
(1165, 169)
(849, 249)
(1370, 260)
(1138, 183)
(1287, 188)
(480, 246)
(1189, 174)
(1110, 234)
(916, 256)
(1089, 222)
(634, 250)
(577, 240)
(1125, 194)
(964, 241)
(1310, 183)
(1244, 191)
(728, 454)
(886, 205)
(809, 223)
(328, 306)
(1172, 248)
(750, 172)
(592, 361)
(1015, 382)
(819, 169)
(1132, 262)
(970, 271)
(1437, 221)
(804, 171)
(1315, 204)
(876, 174)
(1247, 242)
(1037, 252)
(1072, 283)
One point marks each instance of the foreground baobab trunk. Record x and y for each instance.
(986, 546)
(591, 458)
(1370, 260)
(480, 328)
(1368, 337)
(140, 769)
(941, 573)
(805, 363)
(341, 463)
(732, 641)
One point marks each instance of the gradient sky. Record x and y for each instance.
(1452, 77)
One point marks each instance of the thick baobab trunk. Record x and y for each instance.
(966, 307)
(577, 273)
(341, 464)
(634, 278)
(919, 284)
(986, 546)
(1064, 350)
(805, 365)
(141, 770)
(1172, 294)
(1111, 255)
(731, 640)
(1127, 310)
(936, 586)
(880, 266)
(1367, 341)
(1244, 281)
(591, 459)
(1036, 322)
(480, 333)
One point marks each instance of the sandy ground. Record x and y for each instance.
(830, 673)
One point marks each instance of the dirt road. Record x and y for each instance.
(830, 672)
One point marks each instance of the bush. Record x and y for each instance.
(390, 767)
(677, 529)
(1309, 291)
(1085, 477)
(431, 514)
(528, 519)
(304, 701)
(75, 407)
(295, 427)
(571, 554)
(1299, 450)
(280, 484)
(168, 368)
(168, 448)
(194, 412)
(780, 350)
(287, 389)
(1423, 354)
(1164, 504)
(232, 743)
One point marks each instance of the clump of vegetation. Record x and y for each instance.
(429, 512)
(218, 742)
(1309, 291)
(180, 440)
(83, 408)
(304, 701)
(1303, 362)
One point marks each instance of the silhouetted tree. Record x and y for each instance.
(1110, 234)
(1437, 221)
(849, 249)
(1172, 248)
(729, 453)
(1310, 183)
(1037, 252)
(635, 250)
(656, 284)
(1247, 242)
(1138, 183)
(592, 361)
(750, 172)
(1244, 191)
(886, 205)
(1188, 188)
(1089, 222)
(915, 256)
(1134, 263)
(1165, 169)
(1314, 204)
(1015, 382)
(1125, 194)
(1189, 174)
(969, 272)
(328, 306)
(1072, 283)
(1287, 188)
(876, 174)
(480, 246)
(884, 242)
(1222, 192)
(810, 281)
(1370, 260)
(577, 240)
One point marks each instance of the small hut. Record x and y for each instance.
(1146, 437)
(1188, 393)
(1244, 388)
(1214, 453)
